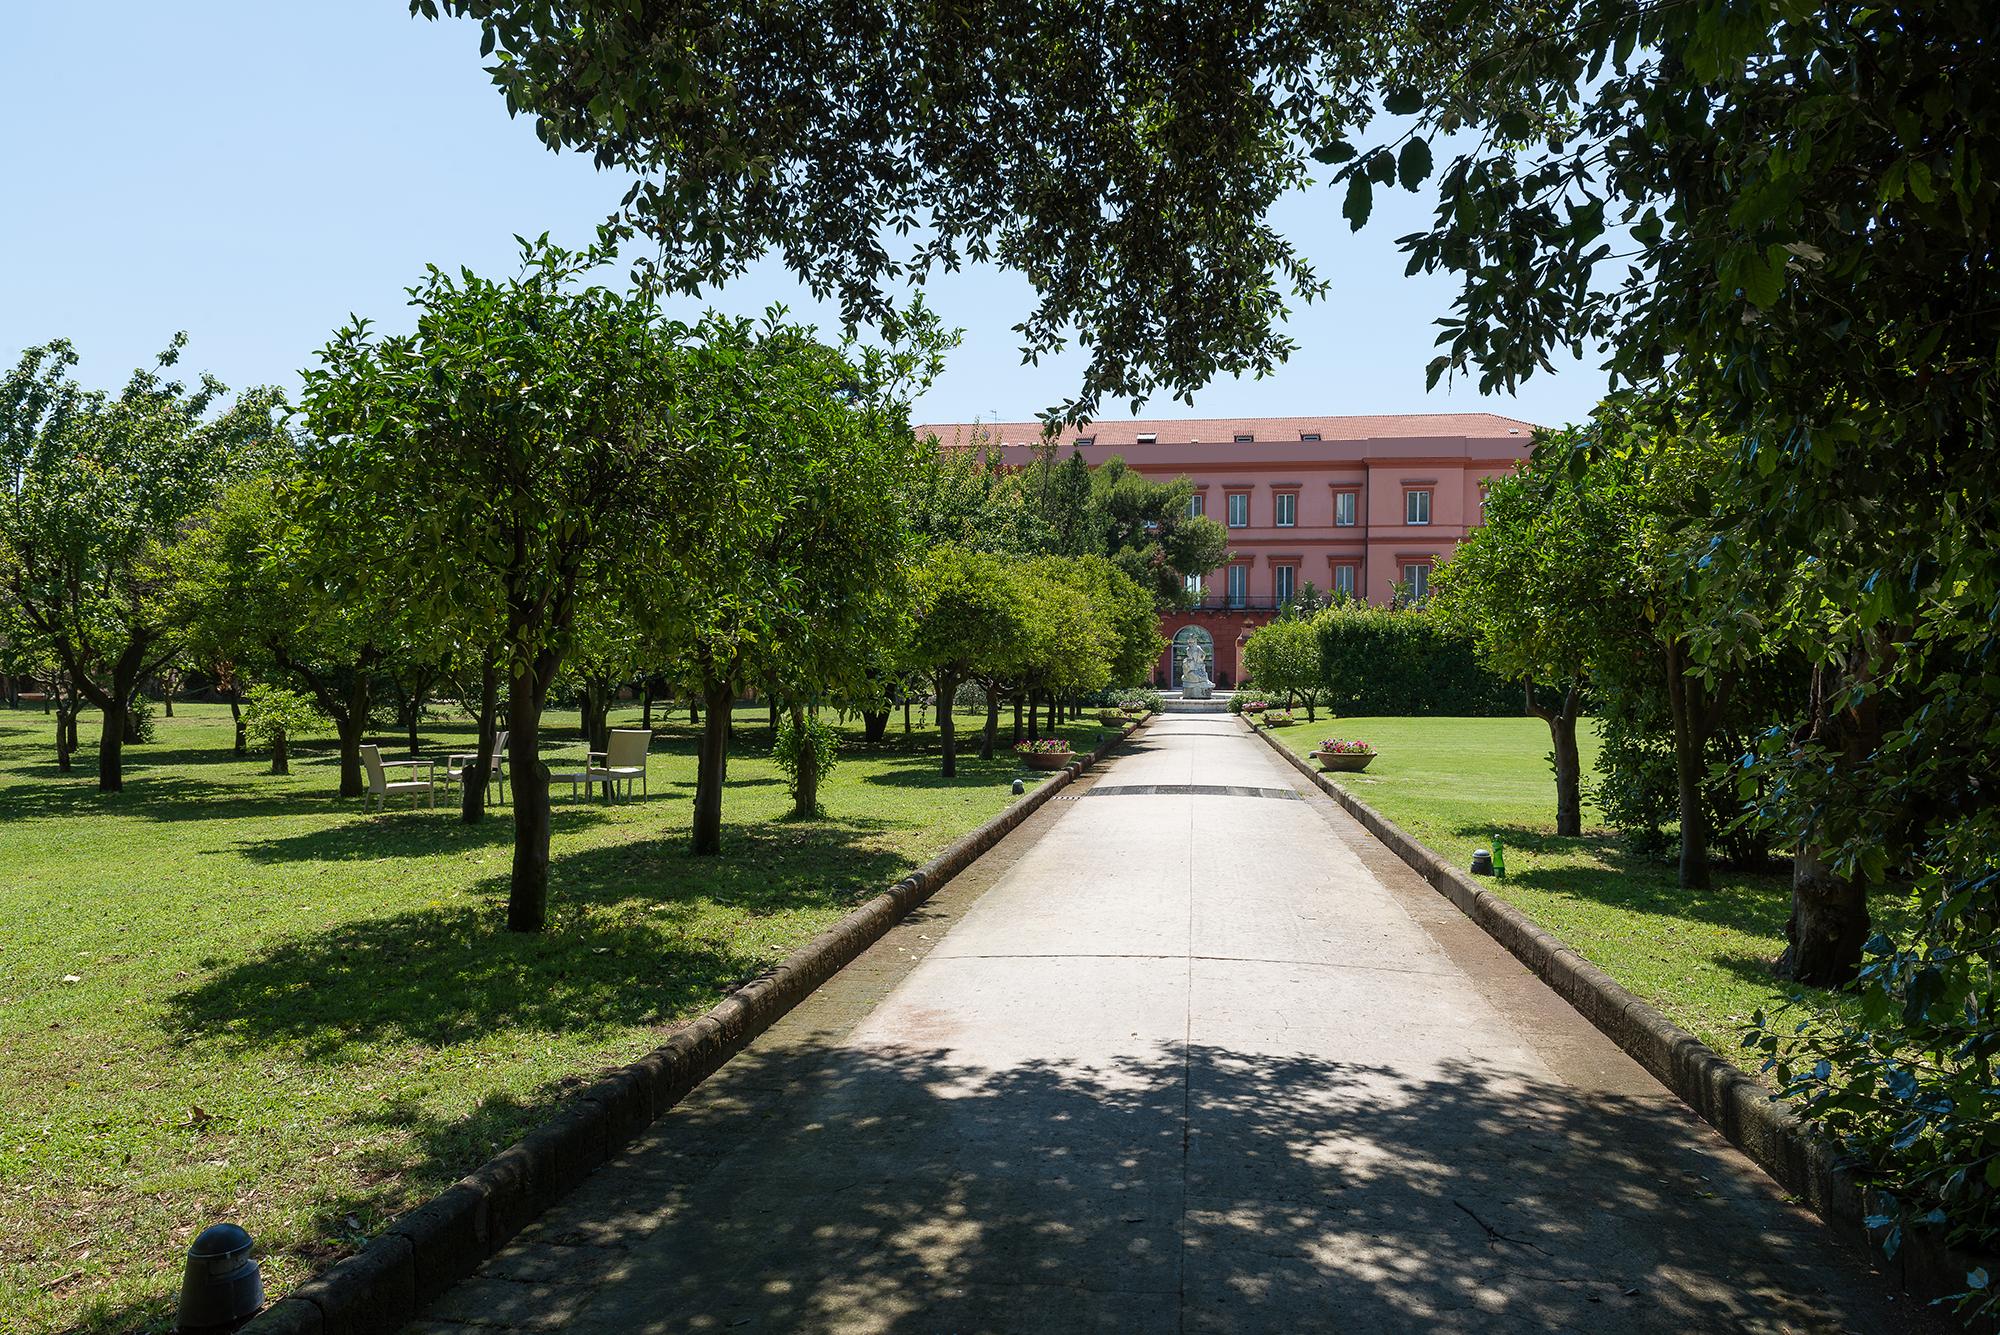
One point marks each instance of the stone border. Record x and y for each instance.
(428, 1249)
(1727, 1098)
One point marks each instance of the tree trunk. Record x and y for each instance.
(1017, 720)
(111, 746)
(65, 733)
(1567, 758)
(1034, 716)
(1828, 926)
(594, 701)
(528, 896)
(281, 759)
(242, 744)
(1830, 921)
(410, 716)
(772, 707)
(906, 720)
(947, 686)
(805, 802)
(473, 780)
(1689, 758)
(712, 768)
(694, 712)
(874, 723)
(986, 738)
(646, 708)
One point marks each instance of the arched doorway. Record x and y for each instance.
(1188, 638)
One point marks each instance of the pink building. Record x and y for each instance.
(1349, 504)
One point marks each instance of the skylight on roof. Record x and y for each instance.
(1244, 437)
(1086, 440)
(1308, 435)
(1149, 438)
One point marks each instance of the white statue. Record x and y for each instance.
(1195, 684)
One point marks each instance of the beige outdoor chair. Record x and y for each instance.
(380, 786)
(624, 761)
(457, 764)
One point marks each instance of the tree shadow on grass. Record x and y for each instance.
(1753, 902)
(641, 934)
(165, 797)
(402, 833)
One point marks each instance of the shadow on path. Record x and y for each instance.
(908, 1192)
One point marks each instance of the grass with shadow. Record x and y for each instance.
(231, 995)
(1701, 956)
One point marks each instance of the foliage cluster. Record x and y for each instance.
(1376, 660)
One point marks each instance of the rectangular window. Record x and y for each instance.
(1239, 586)
(1288, 578)
(1239, 509)
(1308, 435)
(1417, 506)
(1344, 506)
(1288, 508)
(1343, 580)
(1244, 438)
(1194, 506)
(1417, 577)
(1194, 588)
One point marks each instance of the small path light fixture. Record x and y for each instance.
(222, 1287)
(1019, 787)
(1482, 862)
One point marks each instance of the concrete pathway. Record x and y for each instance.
(1173, 1058)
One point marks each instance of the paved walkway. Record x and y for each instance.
(1173, 1058)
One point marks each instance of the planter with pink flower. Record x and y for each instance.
(1255, 707)
(1048, 753)
(1343, 755)
(1277, 718)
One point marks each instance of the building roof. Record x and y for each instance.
(1216, 430)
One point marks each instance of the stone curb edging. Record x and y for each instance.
(428, 1249)
(1729, 1100)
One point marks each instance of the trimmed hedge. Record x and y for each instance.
(1378, 661)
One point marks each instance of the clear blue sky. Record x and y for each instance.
(254, 170)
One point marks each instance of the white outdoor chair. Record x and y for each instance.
(624, 761)
(380, 786)
(457, 764)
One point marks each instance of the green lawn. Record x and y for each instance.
(1700, 956)
(225, 994)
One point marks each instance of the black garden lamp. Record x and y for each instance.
(223, 1287)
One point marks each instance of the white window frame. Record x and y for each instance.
(1231, 505)
(1417, 512)
(1281, 576)
(1238, 586)
(1284, 501)
(1195, 505)
(1417, 578)
(1344, 571)
(1196, 587)
(1346, 509)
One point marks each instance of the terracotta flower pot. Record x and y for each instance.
(1046, 759)
(1344, 762)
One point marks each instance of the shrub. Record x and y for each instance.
(1150, 701)
(139, 726)
(792, 746)
(1407, 662)
(1240, 699)
(273, 716)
